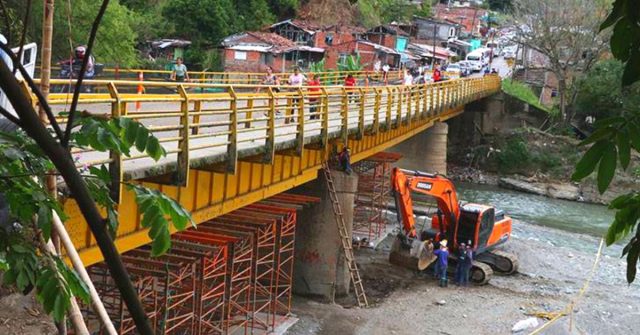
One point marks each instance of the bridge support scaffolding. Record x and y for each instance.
(231, 275)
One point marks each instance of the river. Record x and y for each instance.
(526, 209)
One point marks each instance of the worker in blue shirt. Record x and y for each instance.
(442, 262)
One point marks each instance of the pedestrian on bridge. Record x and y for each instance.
(314, 93)
(295, 79)
(270, 79)
(350, 83)
(437, 75)
(180, 73)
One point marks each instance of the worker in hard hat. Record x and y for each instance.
(442, 263)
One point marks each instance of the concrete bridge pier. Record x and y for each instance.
(320, 268)
(426, 151)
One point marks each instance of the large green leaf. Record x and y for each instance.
(607, 167)
(588, 163)
(622, 40)
(616, 13)
(632, 262)
(624, 149)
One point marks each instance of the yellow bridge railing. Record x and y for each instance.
(248, 78)
(197, 121)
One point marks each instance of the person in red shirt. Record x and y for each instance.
(314, 93)
(350, 83)
(437, 76)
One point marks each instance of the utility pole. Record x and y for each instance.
(45, 63)
(435, 30)
(45, 76)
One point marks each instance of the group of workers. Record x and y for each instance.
(464, 261)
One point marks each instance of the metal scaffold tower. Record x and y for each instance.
(231, 275)
(374, 173)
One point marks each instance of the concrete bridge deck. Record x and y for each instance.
(237, 146)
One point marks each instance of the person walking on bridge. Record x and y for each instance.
(437, 75)
(350, 83)
(314, 93)
(295, 79)
(180, 72)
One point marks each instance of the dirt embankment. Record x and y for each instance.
(554, 267)
(532, 161)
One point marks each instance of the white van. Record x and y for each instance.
(28, 60)
(496, 46)
(476, 60)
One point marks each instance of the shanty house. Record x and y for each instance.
(252, 51)
(369, 53)
(313, 35)
(427, 28)
(391, 36)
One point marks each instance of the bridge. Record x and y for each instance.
(231, 145)
(233, 149)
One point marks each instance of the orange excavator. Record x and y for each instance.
(481, 226)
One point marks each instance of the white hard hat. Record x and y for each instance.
(443, 243)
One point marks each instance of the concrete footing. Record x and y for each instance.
(426, 151)
(320, 268)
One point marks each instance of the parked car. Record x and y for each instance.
(466, 68)
(454, 70)
(509, 53)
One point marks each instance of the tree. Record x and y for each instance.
(36, 151)
(566, 33)
(600, 94)
(425, 9)
(615, 137)
(376, 12)
(500, 5)
(255, 14)
(206, 22)
(117, 39)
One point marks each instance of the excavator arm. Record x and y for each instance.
(403, 182)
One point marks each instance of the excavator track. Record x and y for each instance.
(481, 273)
(500, 261)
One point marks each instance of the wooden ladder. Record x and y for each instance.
(345, 238)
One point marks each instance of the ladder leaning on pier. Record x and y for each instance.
(345, 238)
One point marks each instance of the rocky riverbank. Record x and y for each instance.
(532, 161)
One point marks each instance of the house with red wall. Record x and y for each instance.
(254, 51)
(369, 53)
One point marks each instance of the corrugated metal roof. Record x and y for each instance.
(380, 47)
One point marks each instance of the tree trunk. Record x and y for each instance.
(562, 87)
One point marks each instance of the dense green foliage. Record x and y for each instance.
(116, 39)
(600, 94)
(625, 41)
(516, 154)
(375, 12)
(614, 138)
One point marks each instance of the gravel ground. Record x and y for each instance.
(553, 267)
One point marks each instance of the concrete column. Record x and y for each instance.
(320, 268)
(426, 151)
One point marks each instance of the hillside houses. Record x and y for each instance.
(299, 43)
